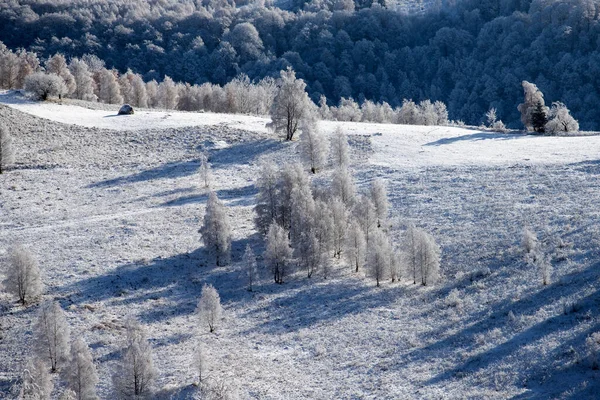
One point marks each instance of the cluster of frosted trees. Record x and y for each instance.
(536, 116)
(410, 113)
(308, 226)
(54, 351)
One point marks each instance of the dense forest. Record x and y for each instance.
(472, 55)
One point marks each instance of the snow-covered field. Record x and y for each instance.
(111, 206)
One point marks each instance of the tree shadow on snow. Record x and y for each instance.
(476, 137)
(540, 373)
(242, 196)
(171, 170)
(243, 153)
(167, 287)
(315, 302)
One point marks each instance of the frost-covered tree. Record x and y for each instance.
(7, 149)
(216, 230)
(313, 145)
(380, 201)
(199, 362)
(291, 104)
(323, 225)
(302, 207)
(441, 113)
(267, 200)
(429, 258)
(560, 120)
(52, 334)
(125, 86)
(109, 91)
(23, 275)
(412, 251)
(152, 93)
(348, 110)
(534, 99)
(37, 383)
(139, 95)
(80, 372)
(168, 94)
(343, 186)
(427, 113)
(491, 117)
(28, 64)
(41, 86)
(135, 373)
(250, 267)
(209, 307)
(308, 251)
(379, 256)
(313, 240)
(294, 176)
(205, 169)
(84, 81)
(408, 114)
(395, 266)
(58, 65)
(324, 110)
(366, 215)
(339, 152)
(278, 253)
(422, 256)
(9, 68)
(339, 216)
(356, 246)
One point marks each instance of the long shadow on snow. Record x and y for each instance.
(170, 170)
(576, 380)
(476, 137)
(169, 286)
(590, 167)
(242, 196)
(322, 302)
(243, 153)
(526, 305)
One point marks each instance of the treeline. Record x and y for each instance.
(88, 79)
(472, 55)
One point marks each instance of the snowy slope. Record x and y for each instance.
(111, 207)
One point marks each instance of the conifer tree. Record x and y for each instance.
(209, 307)
(216, 230)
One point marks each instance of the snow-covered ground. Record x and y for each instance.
(111, 206)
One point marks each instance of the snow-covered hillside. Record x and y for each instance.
(111, 206)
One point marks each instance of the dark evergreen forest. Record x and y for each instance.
(470, 54)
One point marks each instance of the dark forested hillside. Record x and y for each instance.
(470, 54)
